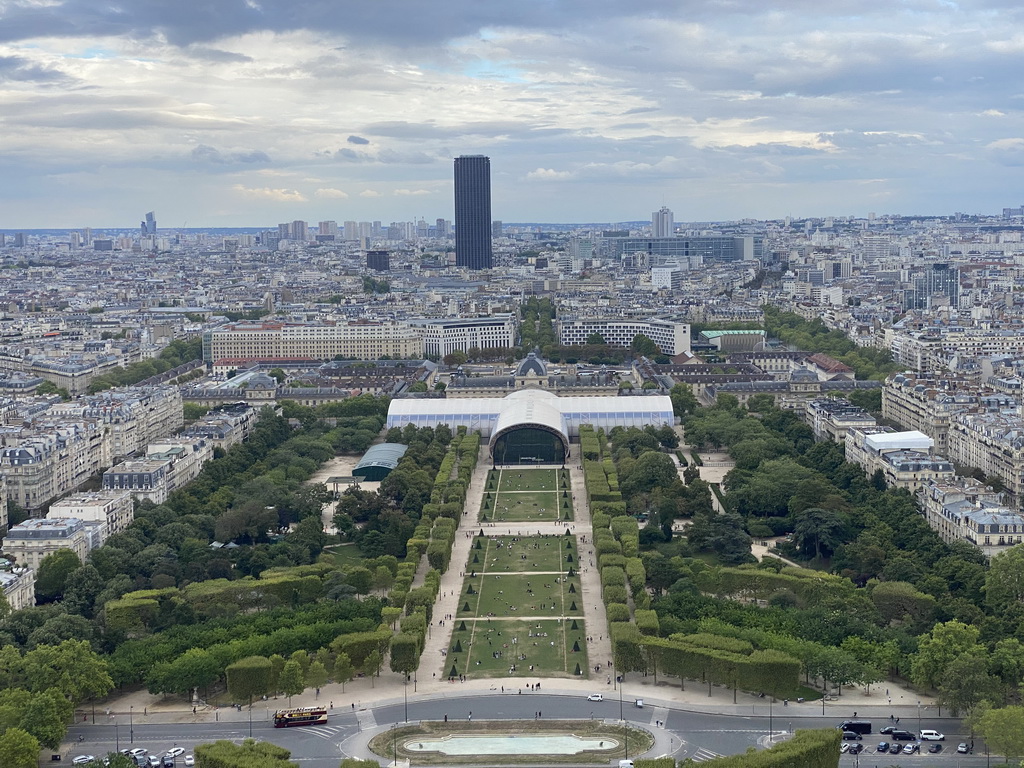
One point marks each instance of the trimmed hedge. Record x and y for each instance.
(617, 612)
(647, 622)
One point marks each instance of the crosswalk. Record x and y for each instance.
(701, 755)
(326, 732)
(366, 719)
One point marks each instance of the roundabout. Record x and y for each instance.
(515, 742)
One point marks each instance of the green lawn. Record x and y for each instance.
(545, 647)
(516, 496)
(506, 554)
(527, 480)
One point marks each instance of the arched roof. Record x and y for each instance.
(532, 366)
(382, 456)
(534, 408)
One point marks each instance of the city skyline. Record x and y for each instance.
(589, 112)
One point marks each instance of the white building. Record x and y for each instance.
(672, 338)
(663, 223)
(113, 508)
(31, 541)
(19, 587)
(442, 336)
(965, 510)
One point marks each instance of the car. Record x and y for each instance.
(190, 760)
(137, 752)
(844, 748)
(175, 751)
(595, 697)
(911, 748)
(962, 748)
(935, 748)
(167, 762)
(932, 736)
(83, 760)
(887, 729)
(856, 749)
(895, 749)
(883, 746)
(851, 736)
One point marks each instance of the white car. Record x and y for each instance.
(190, 760)
(932, 736)
(175, 751)
(137, 752)
(83, 760)
(595, 697)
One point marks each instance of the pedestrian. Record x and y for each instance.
(471, 717)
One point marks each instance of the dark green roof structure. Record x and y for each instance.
(379, 461)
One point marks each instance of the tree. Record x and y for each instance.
(454, 359)
(1004, 584)
(405, 653)
(71, 667)
(683, 400)
(1003, 730)
(343, 670)
(898, 601)
(316, 675)
(293, 681)
(372, 664)
(651, 470)
(279, 374)
(249, 677)
(939, 648)
(1007, 663)
(195, 668)
(819, 530)
(643, 346)
(966, 683)
(53, 574)
(594, 339)
(18, 749)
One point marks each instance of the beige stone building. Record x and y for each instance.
(113, 508)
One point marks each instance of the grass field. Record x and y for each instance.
(505, 554)
(517, 496)
(511, 648)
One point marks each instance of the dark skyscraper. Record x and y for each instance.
(473, 211)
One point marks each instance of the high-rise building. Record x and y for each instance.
(663, 223)
(300, 231)
(20, 240)
(473, 212)
(378, 261)
(148, 226)
(496, 227)
(328, 228)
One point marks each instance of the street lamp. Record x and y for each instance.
(770, 698)
(394, 745)
(405, 692)
(620, 696)
(117, 738)
(919, 717)
(250, 716)
(131, 726)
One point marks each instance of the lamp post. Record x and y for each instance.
(620, 697)
(250, 716)
(117, 738)
(918, 717)
(131, 726)
(770, 718)
(405, 692)
(394, 745)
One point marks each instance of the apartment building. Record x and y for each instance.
(144, 479)
(19, 587)
(965, 510)
(672, 338)
(934, 348)
(115, 509)
(362, 339)
(926, 402)
(993, 443)
(224, 425)
(904, 458)
(31, 541)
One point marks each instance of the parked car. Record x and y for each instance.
(962, 748)
(83, 760)
(883, 746)
(911, 748)
(851, 736)
(844, 748)
(595, 697)
(935, 748)
(932, 736)
(175, 751)
(895, 749)
(190, 760)
(856, 749)
(887, 729)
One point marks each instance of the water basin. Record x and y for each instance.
(510, 745)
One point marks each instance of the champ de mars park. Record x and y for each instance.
(617, 571)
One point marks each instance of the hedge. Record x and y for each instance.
(807, 749)
(617, 612)
(647, 622)
(615, 594)
(613, 577)
(707, 640)
(810, 586)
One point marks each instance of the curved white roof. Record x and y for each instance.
(531, 408)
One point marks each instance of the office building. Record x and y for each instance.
(442, 336)
(703, 249)
(473, 212)
(663, 223)
(671, 337)
(148, 226)
(266, 340)
(378, 261)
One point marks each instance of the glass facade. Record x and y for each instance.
(529, 445)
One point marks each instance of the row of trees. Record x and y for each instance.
(176, 353)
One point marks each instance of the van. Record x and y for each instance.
(932, 736)
(902, 736)
(625, 764)
(856, 726)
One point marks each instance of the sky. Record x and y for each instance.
(248, 112)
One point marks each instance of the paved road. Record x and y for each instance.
(684, 733)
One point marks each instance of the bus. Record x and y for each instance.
(285, 718)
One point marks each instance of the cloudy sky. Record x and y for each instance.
(250, 112)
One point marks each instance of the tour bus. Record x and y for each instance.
(855, 726)
(285, 718)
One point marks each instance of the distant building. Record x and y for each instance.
(379, 261)
(473, 248)
(663, 223)
(904, 458)
(149, 224)
(965, 510)
(112, 508)
(31, 541)
(671, 337)
(442, 336)
(19, 587)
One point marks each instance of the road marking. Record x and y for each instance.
(701, 754)
(327, 733)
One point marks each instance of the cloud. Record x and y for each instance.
(207, 154)
(410, 192)
(1007, 151)
(357, 140)
(547, 174)
(369, 193)
(331, 194)
(266, 193)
